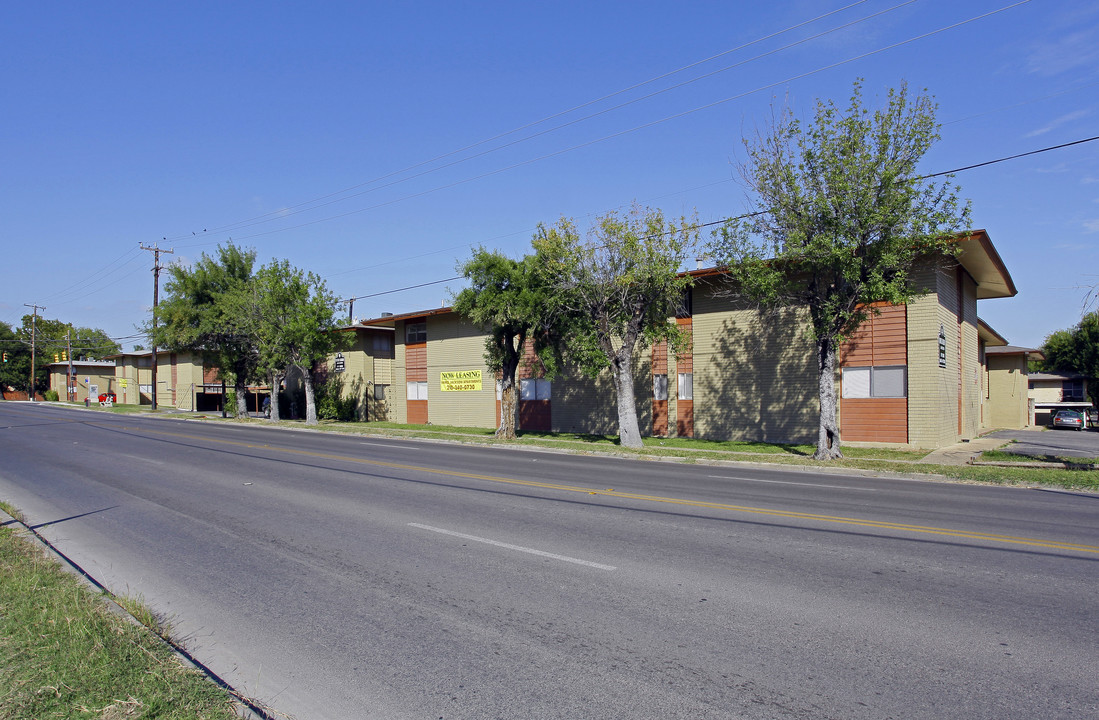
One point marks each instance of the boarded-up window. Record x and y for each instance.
(660, 387)
(534, 389)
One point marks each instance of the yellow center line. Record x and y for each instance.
(789, 514)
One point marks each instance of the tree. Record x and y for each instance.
(841, 219)
(506, 298)
(1076, 350)
(615, 290)
(13, 372)
(200, 313)
(295, 322)
(52, 339)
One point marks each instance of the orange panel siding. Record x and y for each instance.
(880, 340)
(416, 362)
(534, 415)
(685, 418)
(417, 412)
(875, 419)
(660, 418)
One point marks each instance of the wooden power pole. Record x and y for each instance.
(156, 251)
(34, 324)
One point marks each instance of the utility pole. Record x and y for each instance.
(34, 325)
(156, 251)
(69, 384)
(350, 311)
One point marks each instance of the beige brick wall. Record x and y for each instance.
(755, 376)
(1006, 406)
(398, 407)
(1047, 391)
(933, 407)
(455, 345)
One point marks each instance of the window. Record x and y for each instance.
(415, 333)
(686, 386)
(417, 390)
(380, 391)
(532, 389)
(890, 381)
(660, 387)
(1072, 390)
(383, 345)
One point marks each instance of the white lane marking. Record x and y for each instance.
(789, 482)
(509, 546)
(374, 444)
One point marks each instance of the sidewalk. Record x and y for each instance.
(962, 453)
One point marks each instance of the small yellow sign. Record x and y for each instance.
(123, 383)
(460, 381)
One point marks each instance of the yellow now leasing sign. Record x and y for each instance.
(460, 380)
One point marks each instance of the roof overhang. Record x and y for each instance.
(979, 258)
(990, 337)
(390, 321)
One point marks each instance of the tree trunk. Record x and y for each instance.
(242, 399)
(276, 381)
(511, 344)
(509, 408)
(310, 398)
(629, 434)
(828, 438)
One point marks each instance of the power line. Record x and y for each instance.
(281, 211)
(279, 215)
(643, 126)
(744, 216)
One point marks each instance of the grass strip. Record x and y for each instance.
(63, 654)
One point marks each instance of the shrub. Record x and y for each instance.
(51, 395)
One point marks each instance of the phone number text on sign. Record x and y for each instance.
(460, 381)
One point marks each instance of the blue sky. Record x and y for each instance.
(343, 136)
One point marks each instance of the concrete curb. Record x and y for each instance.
(246, 709)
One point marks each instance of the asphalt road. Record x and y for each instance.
(1051, 443)
(350, 577)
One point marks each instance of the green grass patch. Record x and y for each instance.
(1001, 456)
(64, 655)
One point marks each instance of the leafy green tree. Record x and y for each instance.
(15, 372)
(507, 298)
(52, 340)
(295, 321)
(200, 312)
(613, 291)
(842, 217)
(1076, 350)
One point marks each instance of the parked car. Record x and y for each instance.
(1068, 419)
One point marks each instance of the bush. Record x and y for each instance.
(51, 395)
(231, 403)
(331, 405)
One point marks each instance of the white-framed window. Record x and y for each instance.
(417, 390)
(534, 389)
(415, 333)
(380, 391)
(660, 387)
(383, 345)
(686, 386)
(888, 381)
